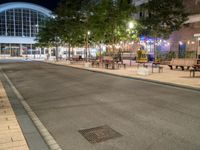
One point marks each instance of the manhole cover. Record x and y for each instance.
(99, 134)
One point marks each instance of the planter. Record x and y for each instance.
(88, 65)
(143, 71)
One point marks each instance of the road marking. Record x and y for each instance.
(53, 145)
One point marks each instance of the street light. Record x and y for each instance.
(36, 30)
(130, 25)
(87, 43)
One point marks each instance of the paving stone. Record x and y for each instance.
(11, 137)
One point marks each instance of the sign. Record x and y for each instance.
(197, 35)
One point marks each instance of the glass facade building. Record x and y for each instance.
(19, 24)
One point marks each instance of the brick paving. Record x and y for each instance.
(11, 137)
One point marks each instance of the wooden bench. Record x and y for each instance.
(195, 68)
(182, 63)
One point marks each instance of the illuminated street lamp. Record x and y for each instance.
(87, 44)
(130, 25)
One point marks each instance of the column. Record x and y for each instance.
(10, 49)
(20, 50)
(31, 50)
(0, 48)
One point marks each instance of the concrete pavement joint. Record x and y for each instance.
(34, 118)
(129, 77)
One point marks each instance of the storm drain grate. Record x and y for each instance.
(99, 134)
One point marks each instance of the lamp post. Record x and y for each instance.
(36, 26)
(197, 49)
(87, 43)
(130, 26)
(57, 40)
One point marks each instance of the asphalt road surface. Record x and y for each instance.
(149, 116)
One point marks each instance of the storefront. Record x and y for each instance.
(19, 24)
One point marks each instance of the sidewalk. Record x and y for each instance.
(11, 137)
(177, 77)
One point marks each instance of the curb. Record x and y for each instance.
(129, 77)
(48, 138)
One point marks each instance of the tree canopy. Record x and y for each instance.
(162, 17)
(109, 20)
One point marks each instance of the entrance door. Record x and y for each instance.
(182, 50)
(15, 50)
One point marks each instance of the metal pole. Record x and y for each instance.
(86, 47)
(0, 48)
(197, 48)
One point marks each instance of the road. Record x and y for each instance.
(149, 116)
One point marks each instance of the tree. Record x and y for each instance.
(72, 18)
(49, 35)
(162, 18)
(109, 21)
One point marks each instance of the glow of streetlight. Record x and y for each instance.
(180, 43)
(88, 32)
(130, 25)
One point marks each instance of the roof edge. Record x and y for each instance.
(33, 6)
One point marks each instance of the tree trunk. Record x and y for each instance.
(100, 52)
(69, 48)
(56, 52)
(154, 51)
(72, 51)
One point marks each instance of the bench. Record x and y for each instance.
(182, 63)
(195, 68)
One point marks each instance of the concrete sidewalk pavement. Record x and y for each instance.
(174, 77)
(11, 137)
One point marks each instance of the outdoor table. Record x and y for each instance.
(141, 63)
(109, 62)
(156, 65)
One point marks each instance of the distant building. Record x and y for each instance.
(19, 24)
(139, 2)
(186, 41)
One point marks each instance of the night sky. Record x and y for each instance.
(51, 4)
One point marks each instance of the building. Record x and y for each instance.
(19, 24)
(184, 42)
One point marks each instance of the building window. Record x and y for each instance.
(21, 22)
(2, 24)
